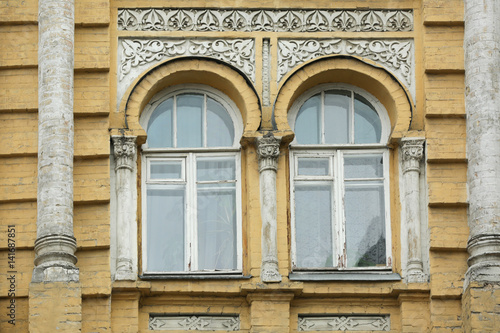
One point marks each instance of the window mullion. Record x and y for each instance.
(204, 126)
(322, 117)
(191, 200)
(174, 123)
(340, 206)
(351, 123)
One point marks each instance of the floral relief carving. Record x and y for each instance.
(195, 323)
(344, 323)
(237, 52)
(295, 20)
(396, 55)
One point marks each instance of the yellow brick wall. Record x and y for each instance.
(439, 115)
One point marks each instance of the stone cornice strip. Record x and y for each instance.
(237, 52)
(294, 20)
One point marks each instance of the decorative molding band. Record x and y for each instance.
(237, 52)
(345, 323)
(194, 323)
(295, 20)
(266, 72)
(395, 55)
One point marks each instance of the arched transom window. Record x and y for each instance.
(191, 183)
(339, 180)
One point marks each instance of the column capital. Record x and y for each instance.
(125, 150)
(268, 150)
(412, 150)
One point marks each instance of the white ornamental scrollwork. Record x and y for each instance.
(294, 20)
(195, 323)
(344, 323)
(237, 52)
(396, 55)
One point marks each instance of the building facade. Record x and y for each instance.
(250, 166)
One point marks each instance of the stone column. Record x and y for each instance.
(482, 103)
(55, 244)
(412, 150)
(55, 291)
(125, 157)
(268, 150)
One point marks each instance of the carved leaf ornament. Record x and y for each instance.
(166, 19)
(138, 52)
(394, 54)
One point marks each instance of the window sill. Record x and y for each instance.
(194, 277)
(344, 276)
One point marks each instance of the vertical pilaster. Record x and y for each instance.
(268, 150)
(125, 157)
(270, 312)
(412, 153)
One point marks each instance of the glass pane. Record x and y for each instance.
(337, 106)
(364, 166)
(308, 122)
(308, 166)
(365, 225)
(189, 120)
(220, 128)
(313, 225)
(165, 228)
(216, 168)
(165, 169)
(367, 125)
(217, 227)
(160, 125)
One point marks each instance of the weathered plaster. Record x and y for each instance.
(482, 102)
(55, 244)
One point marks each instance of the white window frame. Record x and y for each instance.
(336, 152)
(189, 155)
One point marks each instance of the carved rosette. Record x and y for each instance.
(268, 150)
(125, 151)
(412, 150)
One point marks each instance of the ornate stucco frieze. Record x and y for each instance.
(294, 20)
(344, 323)
(395, 55)
(195, 323)
(138, 52)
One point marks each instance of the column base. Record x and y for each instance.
(62, 273)
(125, 276)
(270, 272)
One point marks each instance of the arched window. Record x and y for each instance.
(339, 180)
(191, 182)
